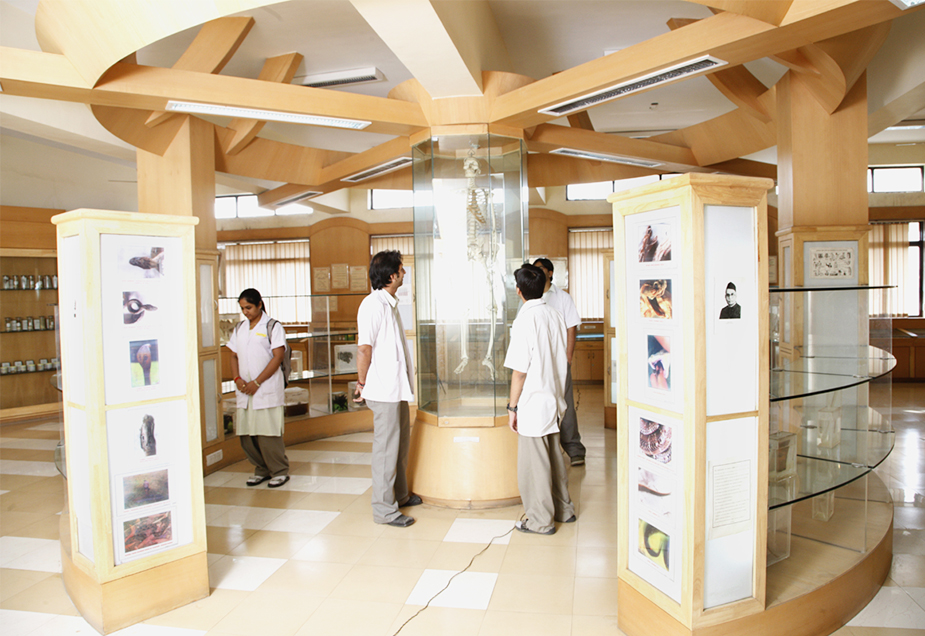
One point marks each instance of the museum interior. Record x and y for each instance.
(731, 192)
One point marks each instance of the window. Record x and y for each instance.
(896, 258)
(586, 252)
(390, 199)
(244, 206)
(280, 271)
(914, 288)
(603, 189)
(896, 179)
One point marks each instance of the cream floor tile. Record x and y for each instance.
(377, 583)
(918, 595)
(221, 478)
(533, 594)
(424, 528)
(305, 483)
(539, 559)
(47, 503)
(500, 623)
(351, 618)
(353, 470)
(214, 511)
(67, 626)
(387, 551)
(48, 527)
(444, 621)
(595, 626)
(344, 485)
(26, 443)
(278, 612)
(320, 470)
(595, 597)
(36, 469)
(596, 562)
(510, 513)
(302, 521)
(308, 577)
(596, 534)
(909, 542)
(39, 485)
(273, 545)
(15, 482)
(342, 457)
(16, 623)
(47, 596)
(203, 614)
(324, 501)
(143, 629)
(566, 535)
(891, 607)
(12, 522)
(242, 572)
(361, 504)
(458, 556)
(332, 548)
(250, 517)
(221, 540)
(12, 582)
(882, 631)
(55, 427)
(355, 525)
(481, 531)
(446, 588)
(908, 570)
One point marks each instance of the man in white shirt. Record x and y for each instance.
(385, 378)
(536, 357)
(563, 303)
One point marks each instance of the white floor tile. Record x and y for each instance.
(345, 485)
(305, 483)
(26, 553)
(26, 443)
(469, 590)
(221, 478)
(301, 455)
(214, 511)
(250, 517)
(17, 623)
(891, 607)
(479, 531)
(304, 521)
(242, 573)
(343, 457)
(67, 626)
(37, 469)
(917, 594)
(142, 629)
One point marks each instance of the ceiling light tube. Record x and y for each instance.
(598, 156)
(263, 115)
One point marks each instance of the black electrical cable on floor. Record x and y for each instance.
(471, 561)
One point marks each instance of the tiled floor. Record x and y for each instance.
(308, 560)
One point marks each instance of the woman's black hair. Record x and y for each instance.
(382, 266)
(252, 296)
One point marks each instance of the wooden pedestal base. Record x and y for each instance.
(610, 417)
(459, 467)
(116, 604)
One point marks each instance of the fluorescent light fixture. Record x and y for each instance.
(597, 156)
(296, 198)
(264, 115)
(907, 4)
(911, 125)
(657, 78)
(382, 168)
(342, 78)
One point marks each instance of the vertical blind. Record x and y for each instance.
(403, 243)
(586, 252)
(888, 258)
(280, 271)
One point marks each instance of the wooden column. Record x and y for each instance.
(182, 181)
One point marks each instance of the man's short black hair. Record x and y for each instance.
(531, 281)
(731, 286)
(382, 266)
(544, 262)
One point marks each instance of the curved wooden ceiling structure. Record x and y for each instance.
(89, 49)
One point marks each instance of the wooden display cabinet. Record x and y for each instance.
(30, 393)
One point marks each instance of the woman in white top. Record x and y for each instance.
(260, 396)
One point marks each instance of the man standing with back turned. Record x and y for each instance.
(563, 303)
(385, 375)
(536, 358)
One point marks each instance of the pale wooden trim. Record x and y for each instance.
(8, 416)
(34, 253)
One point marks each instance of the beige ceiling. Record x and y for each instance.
(55, 153)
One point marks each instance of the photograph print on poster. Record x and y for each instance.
(655, 440)
(655, 545)
(145, 489)
(655, 490)
(142, 534)
(655, 298)
(658, 362)
(144, 363)
(138, 308)
(654, 243)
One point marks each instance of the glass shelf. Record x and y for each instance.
(826, 368)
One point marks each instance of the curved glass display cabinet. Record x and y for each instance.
(830, 393)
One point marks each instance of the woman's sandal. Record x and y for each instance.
(257, 480)
(276, 482)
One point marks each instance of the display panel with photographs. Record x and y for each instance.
(150, 478)
(144, 334)
(654, 285)
(656, 505)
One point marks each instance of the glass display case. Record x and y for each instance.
(830, 416)
(324, 354)
(470, 228)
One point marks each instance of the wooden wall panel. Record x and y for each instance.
(548, 233)
(27, 228)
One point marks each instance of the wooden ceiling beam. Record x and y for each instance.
(734, 38)
(581, 120)
(280, 69)
(770, 11)
(549, 137)
(365, 160)
(209, 52)
(555, 170)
